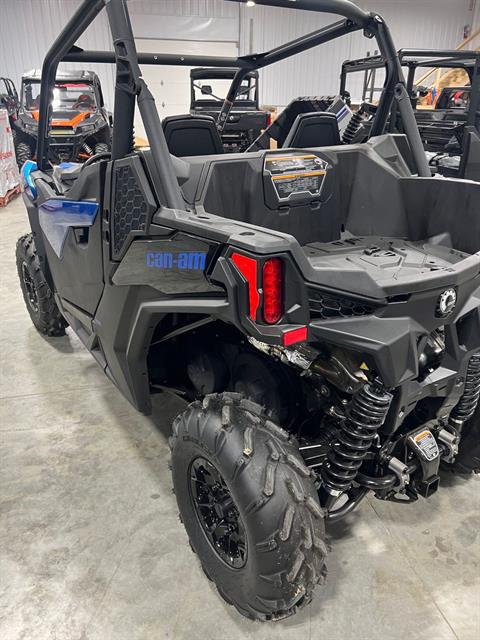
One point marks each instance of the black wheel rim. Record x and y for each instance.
(217, 513)
(30, 287)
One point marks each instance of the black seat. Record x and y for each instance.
(313, 130)
(192, 136)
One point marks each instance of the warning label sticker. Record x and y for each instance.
(296, 174)
(427, 445)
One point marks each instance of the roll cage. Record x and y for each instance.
(413, 59)
(10, 89)
(9, 97)
(211, 73)
(130, 86)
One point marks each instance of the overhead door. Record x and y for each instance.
(170, 85)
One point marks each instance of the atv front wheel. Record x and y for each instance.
(249, 506)
(37, 294)
(23, 153)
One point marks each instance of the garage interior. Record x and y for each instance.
(91, 544)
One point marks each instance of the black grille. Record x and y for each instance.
(325, 305)
(130, 208)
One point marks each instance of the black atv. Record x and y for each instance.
(451, 131)
(80, 126)
(320, 309)
(9, 98)
(246, 120)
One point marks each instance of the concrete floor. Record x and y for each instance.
(91, 547)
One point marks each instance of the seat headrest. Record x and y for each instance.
(313, 130)
(189, 135)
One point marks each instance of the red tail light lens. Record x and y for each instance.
(272, 290)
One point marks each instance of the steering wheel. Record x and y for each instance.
(105, 155)
(84, 99)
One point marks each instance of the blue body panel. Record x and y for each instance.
(56, 217)
(28, 182)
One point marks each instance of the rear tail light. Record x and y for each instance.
(272, 290)
(269, 119)
(248, 268)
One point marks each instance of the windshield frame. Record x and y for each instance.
(89, 87)
(214, 75)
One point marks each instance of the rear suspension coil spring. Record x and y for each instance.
(465, 409)
(352, 127)
(365, 414)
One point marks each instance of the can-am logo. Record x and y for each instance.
(446, 303)
(187, 260)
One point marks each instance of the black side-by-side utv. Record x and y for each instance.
(245, 121)
(451, 131)
(9, 98)
(80, 126)
(318, 307)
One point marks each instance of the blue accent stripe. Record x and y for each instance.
(28, 182)
(342, 113)
(57, 216)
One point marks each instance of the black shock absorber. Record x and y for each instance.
(365, 414)
(352, 127)
(465, 409)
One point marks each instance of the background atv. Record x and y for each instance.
(9, 98)
(80, 127)
(245, 121)
(450, 131)
(319, 308)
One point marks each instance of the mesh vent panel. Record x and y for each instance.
(130, 208)
(323, 305)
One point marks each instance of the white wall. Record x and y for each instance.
(414, 23)
(28, 27)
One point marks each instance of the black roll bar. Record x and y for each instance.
(130, 85)
(108, 57)
(424, 56)
(338, 7)
(258, 61)
(78, 23)
(414, 59)
(474, 111)
(446, 59)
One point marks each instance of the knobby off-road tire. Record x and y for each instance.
(23, 152)
(101, 147)
(37, 294)
(272, 494)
